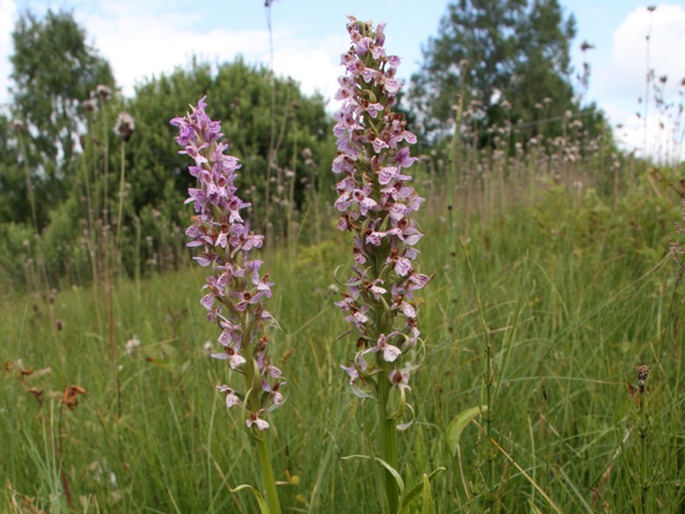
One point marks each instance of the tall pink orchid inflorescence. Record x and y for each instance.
(236, 291)
(377, 201)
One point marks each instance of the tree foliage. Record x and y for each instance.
(153, 213)
(489, 51)
(13, 192)
(66, 158)
(241, 96)
(54, 70)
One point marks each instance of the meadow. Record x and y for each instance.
(565, 291)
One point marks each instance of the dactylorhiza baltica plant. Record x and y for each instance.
(236, 291)
(377, 201)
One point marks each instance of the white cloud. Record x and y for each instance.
(141, 40)
(140, 43)
(622, 82)
(316, 65)
(8, 11)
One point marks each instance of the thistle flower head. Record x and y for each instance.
(17, 125)
(124, 126)
(103, 92)
(642, 375)
(89, 104)
(236, 291)
(376, 202)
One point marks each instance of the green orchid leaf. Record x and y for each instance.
(263, 507)
(427, 506)
(414, 492)
(458, 424)
(393, 471)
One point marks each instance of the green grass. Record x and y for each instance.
(575, 294)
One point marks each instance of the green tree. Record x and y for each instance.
(54, 70)
(492, 50)
(13, 193)
(240, 96)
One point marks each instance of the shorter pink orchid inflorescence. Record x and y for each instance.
(236, 291)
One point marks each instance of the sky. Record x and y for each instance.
(142, 39)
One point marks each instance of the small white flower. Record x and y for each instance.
(132, 345)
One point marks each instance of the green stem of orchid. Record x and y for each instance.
(268, 475)
(268, 479)
(389, 453)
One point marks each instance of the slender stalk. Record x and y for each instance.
(117, 256)
(272, 126)
(90, 240)
(643, 431)
(268, 475)
(292, 238)
(108, 259)
(452, 178)
(388, 440)
(487, 416)
(105, 195)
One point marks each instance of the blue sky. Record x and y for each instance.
(142, 38)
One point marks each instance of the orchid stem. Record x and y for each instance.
(389, 452)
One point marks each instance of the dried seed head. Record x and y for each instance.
(124, 126)
(642, 375)
(70, 396)
(17, 125)
(103, 92)
(89, 105)
(37, 393)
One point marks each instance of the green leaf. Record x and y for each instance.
(263, 507)
(427, 506)
(413, 493)
(393, 471)
(457, 425)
